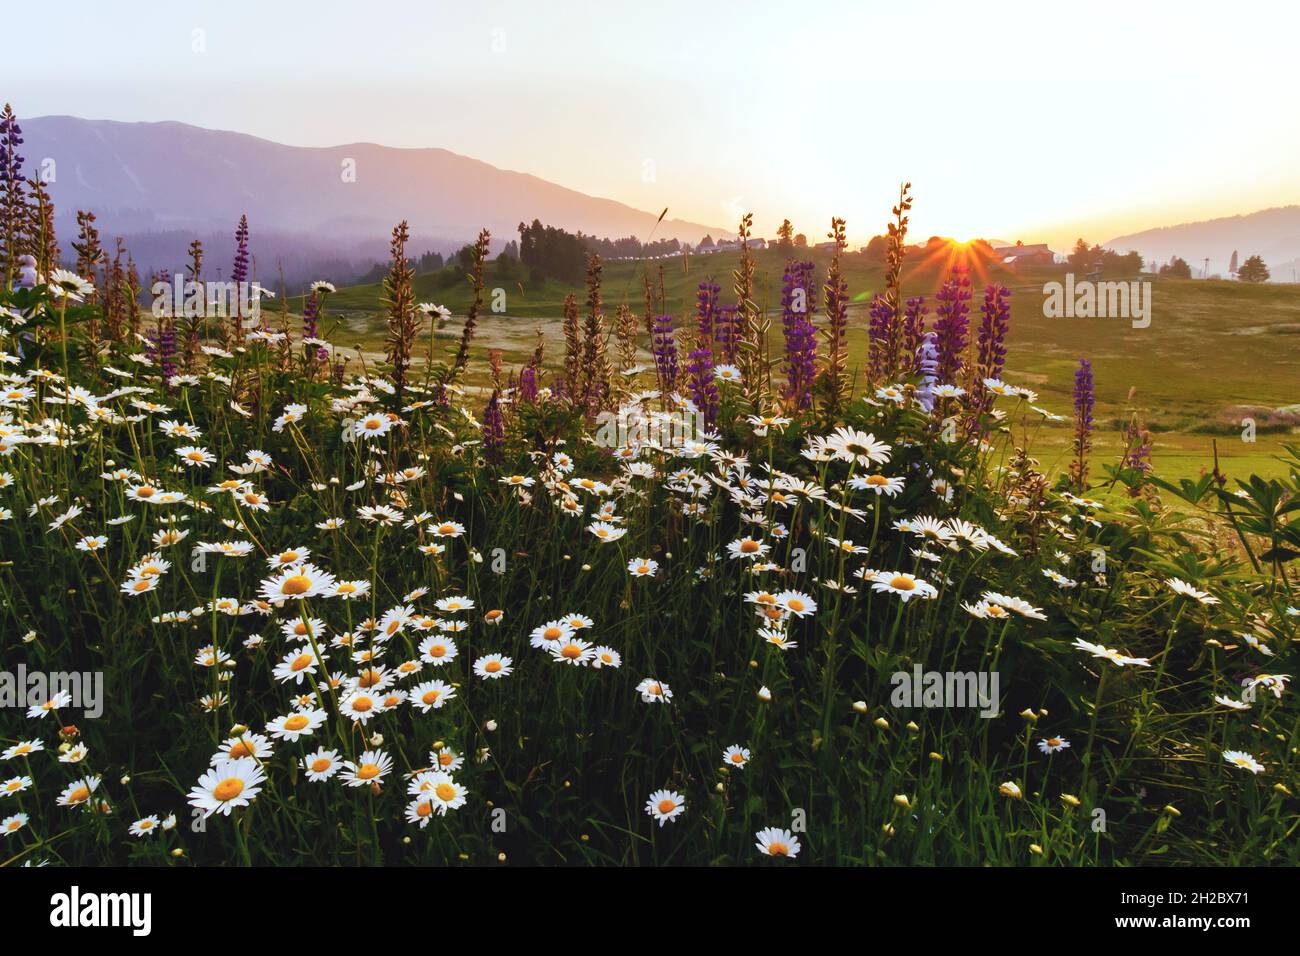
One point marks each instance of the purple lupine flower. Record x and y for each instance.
(11, 185)
(726, 332)
(311, 325)
(995, 321)
(1137, 444)
(797, 306)
(665, 352)
(528, 384)
(239, 275)
(239, 272)
(1083, 396)
(706, 308)
(914, 333)
(493, 429)
(885, 339)
(927, 363)
(952, 325)
(704, 390)
(1083, 405)
(309, 316)
(11, 137)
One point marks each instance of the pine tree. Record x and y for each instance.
(785, 237)
(1253, 270)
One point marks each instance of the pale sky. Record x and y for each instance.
(1036, 120)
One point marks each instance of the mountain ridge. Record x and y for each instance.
(163, 176)
(1272, 233)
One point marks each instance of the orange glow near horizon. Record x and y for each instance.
(959, 254)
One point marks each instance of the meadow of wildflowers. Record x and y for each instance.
(741, 604)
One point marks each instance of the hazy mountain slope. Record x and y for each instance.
(1273, 234)
(169, 175)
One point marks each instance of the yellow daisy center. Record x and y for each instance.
(297, 584)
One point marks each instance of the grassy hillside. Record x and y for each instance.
(1214, 353)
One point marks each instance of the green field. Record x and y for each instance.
(1215, 352)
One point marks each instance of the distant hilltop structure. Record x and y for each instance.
(1022, 254)
(731, 245)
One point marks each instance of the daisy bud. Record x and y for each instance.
(439, 744)
(936, 757)
(668, 555)
(911, 725)
(860, 706)
(584, 838)
(753, 665)
(178, 852)
(1029, 715)
(764, 694)
(902, 801)
(586, 567)
(719, 787)
(881, 723)
(29, 637)
(1042, 712)
(238, 730)
(126, 778)
(1281, 788)
(406, 840)
(501, 857)
(490, 725)
(888, 829)
(1069, 799)
(462, 856)
(1171, 810)
(1011, 790)
(376, 739)
(1035, 849)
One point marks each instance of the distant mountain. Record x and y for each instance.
(178, 179)
(1272, 234)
